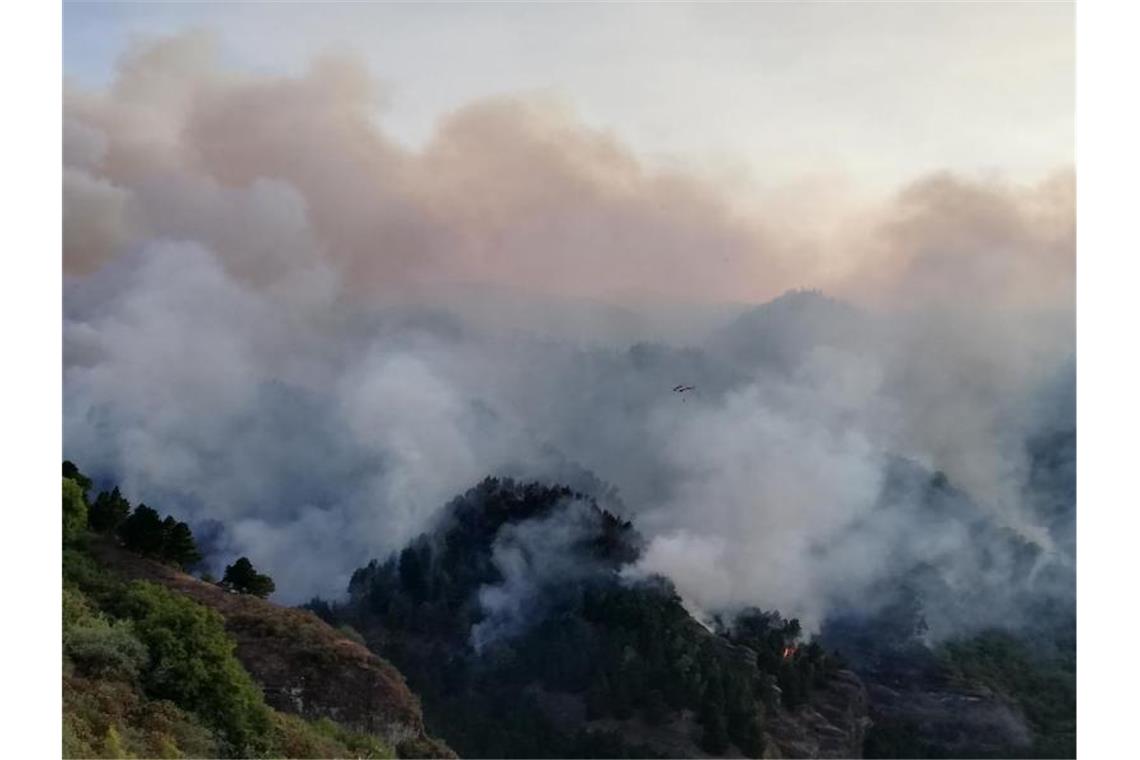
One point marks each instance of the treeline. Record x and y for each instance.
(144, 531)
(141, 530)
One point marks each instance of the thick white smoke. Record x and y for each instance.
(280, 322)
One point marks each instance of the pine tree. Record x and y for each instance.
(243, 578)
(143, 532)
(180, 547)
(108, 512)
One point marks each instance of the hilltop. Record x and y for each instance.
(518, 621)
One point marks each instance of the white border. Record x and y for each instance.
(1108, 245)
(30, 196)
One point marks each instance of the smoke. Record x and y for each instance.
(280, 319)
(538, 560)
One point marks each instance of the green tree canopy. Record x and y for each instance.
(143, 532)
(192, 664)
(243, 578)
(74, 511)
(109, 511)
(72, 472)
(180, 547)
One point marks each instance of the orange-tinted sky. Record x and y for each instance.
(870, 94)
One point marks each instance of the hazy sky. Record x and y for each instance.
(860, 94)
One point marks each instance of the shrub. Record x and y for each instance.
(351, 634)
(71, 472)
(297, 737)
(82, 572)
(192, 664)
(105, 649)
(76, 608)
(74, 511)
(98, 713)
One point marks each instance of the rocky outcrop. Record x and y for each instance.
(912, 696)
(831, 725)
(957, 721)
(303, 665)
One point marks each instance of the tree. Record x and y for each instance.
(714, 739)
(415, 563)
(74, 511)
(180, 547)
(143, 532)
(243, 578)
(72, 472)
(108, 512)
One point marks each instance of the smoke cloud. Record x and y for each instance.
(282, 320)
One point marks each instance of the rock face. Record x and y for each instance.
(831, 725)
(955, 720)
(303, 665)
(911, 695)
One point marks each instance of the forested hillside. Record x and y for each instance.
(517, 621)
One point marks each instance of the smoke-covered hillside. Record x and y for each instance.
(779, 452)
(524, 622)
(518, 622)
(305, 340)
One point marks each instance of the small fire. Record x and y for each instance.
(789, 652)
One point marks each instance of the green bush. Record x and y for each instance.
(163, 682)
(74, 511)
(296, 737)
(83, 573)
(76, 608)
(105, 718)
(105, 649)
(71, 472)
(193, 665)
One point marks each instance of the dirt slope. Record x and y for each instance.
(303, 665)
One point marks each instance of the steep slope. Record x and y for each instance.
(965, 665)
(518, 622)
(304, 666)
